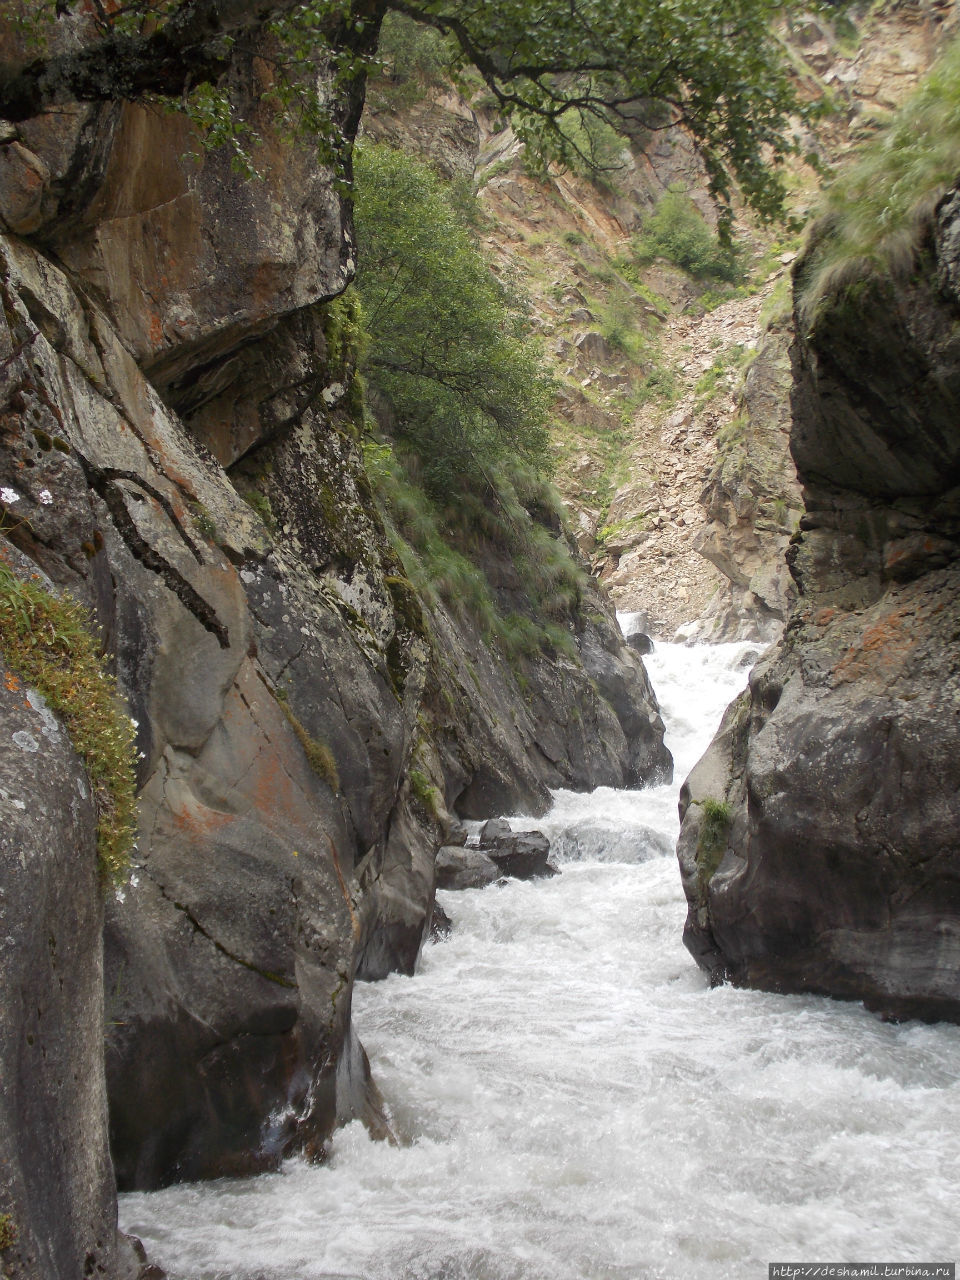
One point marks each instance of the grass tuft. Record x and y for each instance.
(874, 212)
(48, 643)
(319, 756)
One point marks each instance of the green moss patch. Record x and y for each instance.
(48, 643)
(8, 1231)
(319, 756)
(712, 839)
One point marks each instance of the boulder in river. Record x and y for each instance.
(640, 642)
(503, 852)
(465, 868)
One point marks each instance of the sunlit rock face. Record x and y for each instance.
(834, 867)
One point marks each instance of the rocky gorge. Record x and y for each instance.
(180, 454)
(183, 426)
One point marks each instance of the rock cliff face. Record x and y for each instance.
(819, 846)
(179, 452)
(752, 502)
(57, 1213)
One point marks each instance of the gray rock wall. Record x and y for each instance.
(292, 693)
(836, 867)
(57, 1207)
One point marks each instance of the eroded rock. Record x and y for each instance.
(836, 867)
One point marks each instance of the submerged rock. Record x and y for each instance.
(819, 844)
(523, 854)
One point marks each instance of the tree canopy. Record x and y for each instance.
(641, 65)
(448, 352)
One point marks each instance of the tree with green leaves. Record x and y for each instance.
(711, 66)
(449, 358)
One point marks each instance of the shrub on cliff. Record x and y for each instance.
(449, 354)
(677, 231)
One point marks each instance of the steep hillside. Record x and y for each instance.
(670, 428)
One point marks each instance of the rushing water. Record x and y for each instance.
(575, 1103)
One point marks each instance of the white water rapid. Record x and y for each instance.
(575, 1103)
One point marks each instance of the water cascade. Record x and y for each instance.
(574, 1103)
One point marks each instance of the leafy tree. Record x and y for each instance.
(448, 355)
(708, 64)
(676, 230)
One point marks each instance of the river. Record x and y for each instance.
(575, 1103)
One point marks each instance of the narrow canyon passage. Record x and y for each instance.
(574, 1102)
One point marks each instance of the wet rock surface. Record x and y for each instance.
(56, 1184)
(500, 851)
(834, 866)
(306, 725)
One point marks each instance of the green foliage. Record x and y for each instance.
(712, 837)
(633, 64)
(449, 354)
(442, 548)
(47, 642)
(620, 324)
(589, 145)
(425, 793)
(413, 60)
(319, 756)
(8, 1231)
(568, 73)
(677, 231)
(875, 209)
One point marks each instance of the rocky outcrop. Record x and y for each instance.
(752, 501)
(57, 1207)
(818, 847)
(179, 418)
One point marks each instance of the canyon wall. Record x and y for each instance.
(818, 847)
(180, 451)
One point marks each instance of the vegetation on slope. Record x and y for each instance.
(875, 209)
(448, 348)
(461, 399)
(560, 70)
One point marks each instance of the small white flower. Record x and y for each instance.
(8, 495)
(46, 497)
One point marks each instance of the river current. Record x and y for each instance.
(573, 1102)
